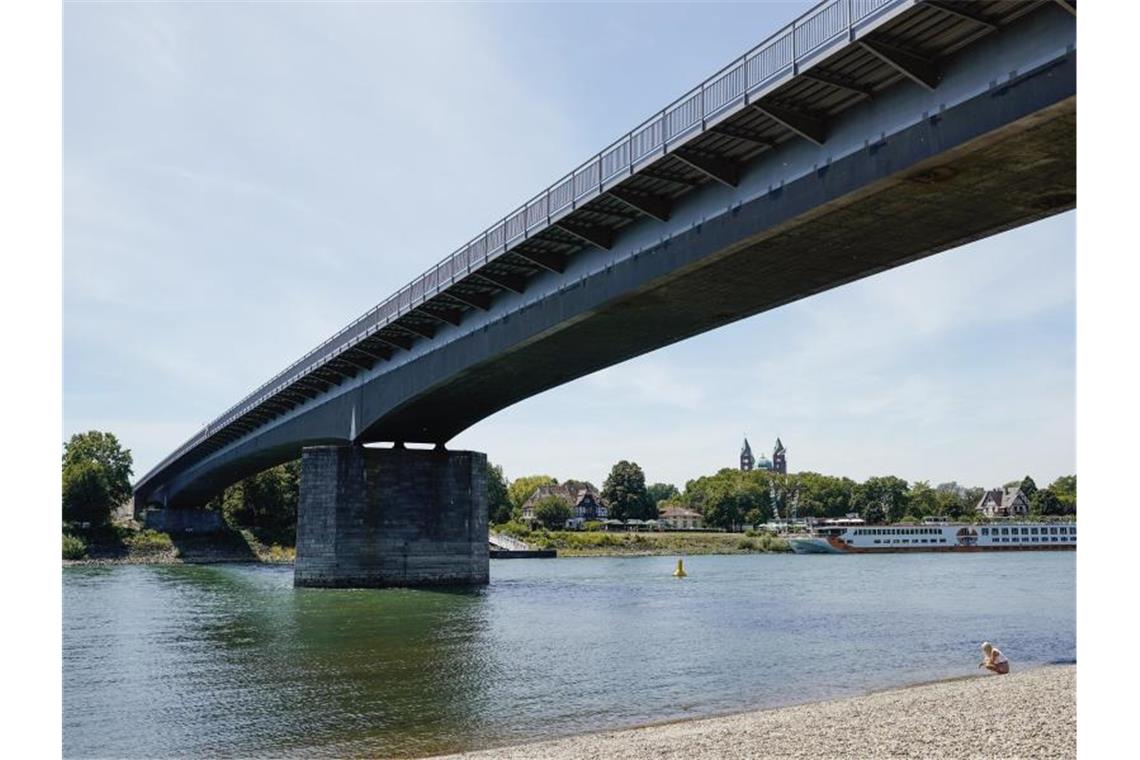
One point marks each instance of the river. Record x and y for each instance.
(232, 660)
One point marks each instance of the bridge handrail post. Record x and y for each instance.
(795, 62)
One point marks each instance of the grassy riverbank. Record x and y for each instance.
(599, 544)
(1025, 714)
(129, 544)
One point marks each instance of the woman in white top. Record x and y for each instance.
(994, 660)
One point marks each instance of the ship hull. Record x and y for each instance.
(833, 545)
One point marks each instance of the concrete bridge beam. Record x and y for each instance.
(371, 518)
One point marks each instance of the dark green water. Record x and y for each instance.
(231, 660)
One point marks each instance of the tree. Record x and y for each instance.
(882, 499)
(104, 451)
(659, 492)
(498, 496)
(1065, 489)
(955, 501)
(731, 498)
(625, 492)
(753, 518)
(697, 492)
(1028, 487)
(722, 508)
(973, 496)
(523, 488)
(1045, 502)
(266, 502)
(948, 503)
(923, 500)
(823, 495)
(552, 511)
(86, 494)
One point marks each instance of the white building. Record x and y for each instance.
(679, 518)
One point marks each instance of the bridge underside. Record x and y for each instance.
(998, 160)
(822, 231)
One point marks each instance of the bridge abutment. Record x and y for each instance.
(372, 518)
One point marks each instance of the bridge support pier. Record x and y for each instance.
(370, 518)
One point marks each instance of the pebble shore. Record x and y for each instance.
(1030, 714)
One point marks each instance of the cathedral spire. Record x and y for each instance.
(746, 459)
(779, 458)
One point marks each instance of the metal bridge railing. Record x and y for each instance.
(760, 69)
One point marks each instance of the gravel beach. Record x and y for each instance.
(1029, 714)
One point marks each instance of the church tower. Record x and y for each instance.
(779, 458)
(746, 459)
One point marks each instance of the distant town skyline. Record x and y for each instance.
(223, 160)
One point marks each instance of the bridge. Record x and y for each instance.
(864, 135)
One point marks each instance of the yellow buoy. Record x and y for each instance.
(680, 571)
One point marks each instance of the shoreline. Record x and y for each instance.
(1028, 713)
(167, 560)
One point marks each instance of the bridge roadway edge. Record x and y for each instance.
(659, 296)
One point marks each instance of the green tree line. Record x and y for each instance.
(732, 500)
(97, 471)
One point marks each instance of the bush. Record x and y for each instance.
(150, 541)
(74, 547)
(592, 526)
(746, 544)
(514, 528)
(771, 543)
(278, 553)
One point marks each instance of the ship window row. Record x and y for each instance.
(1039, 539)
(908, 540)
(897, 531)
(1063, 530)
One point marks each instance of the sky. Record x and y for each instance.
(242, 180)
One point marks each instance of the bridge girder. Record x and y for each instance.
(664, 191)
(917, 68)
(808, 126)
(510, 282)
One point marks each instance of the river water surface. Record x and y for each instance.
(232, 660)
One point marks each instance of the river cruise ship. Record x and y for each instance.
(853, 536)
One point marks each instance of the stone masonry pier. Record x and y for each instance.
(391, 517)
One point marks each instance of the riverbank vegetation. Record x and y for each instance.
(264, 505)
(260, 512)
(571, 543)
(732, 500)
(128, 543)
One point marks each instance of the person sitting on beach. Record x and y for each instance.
(994, 660)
